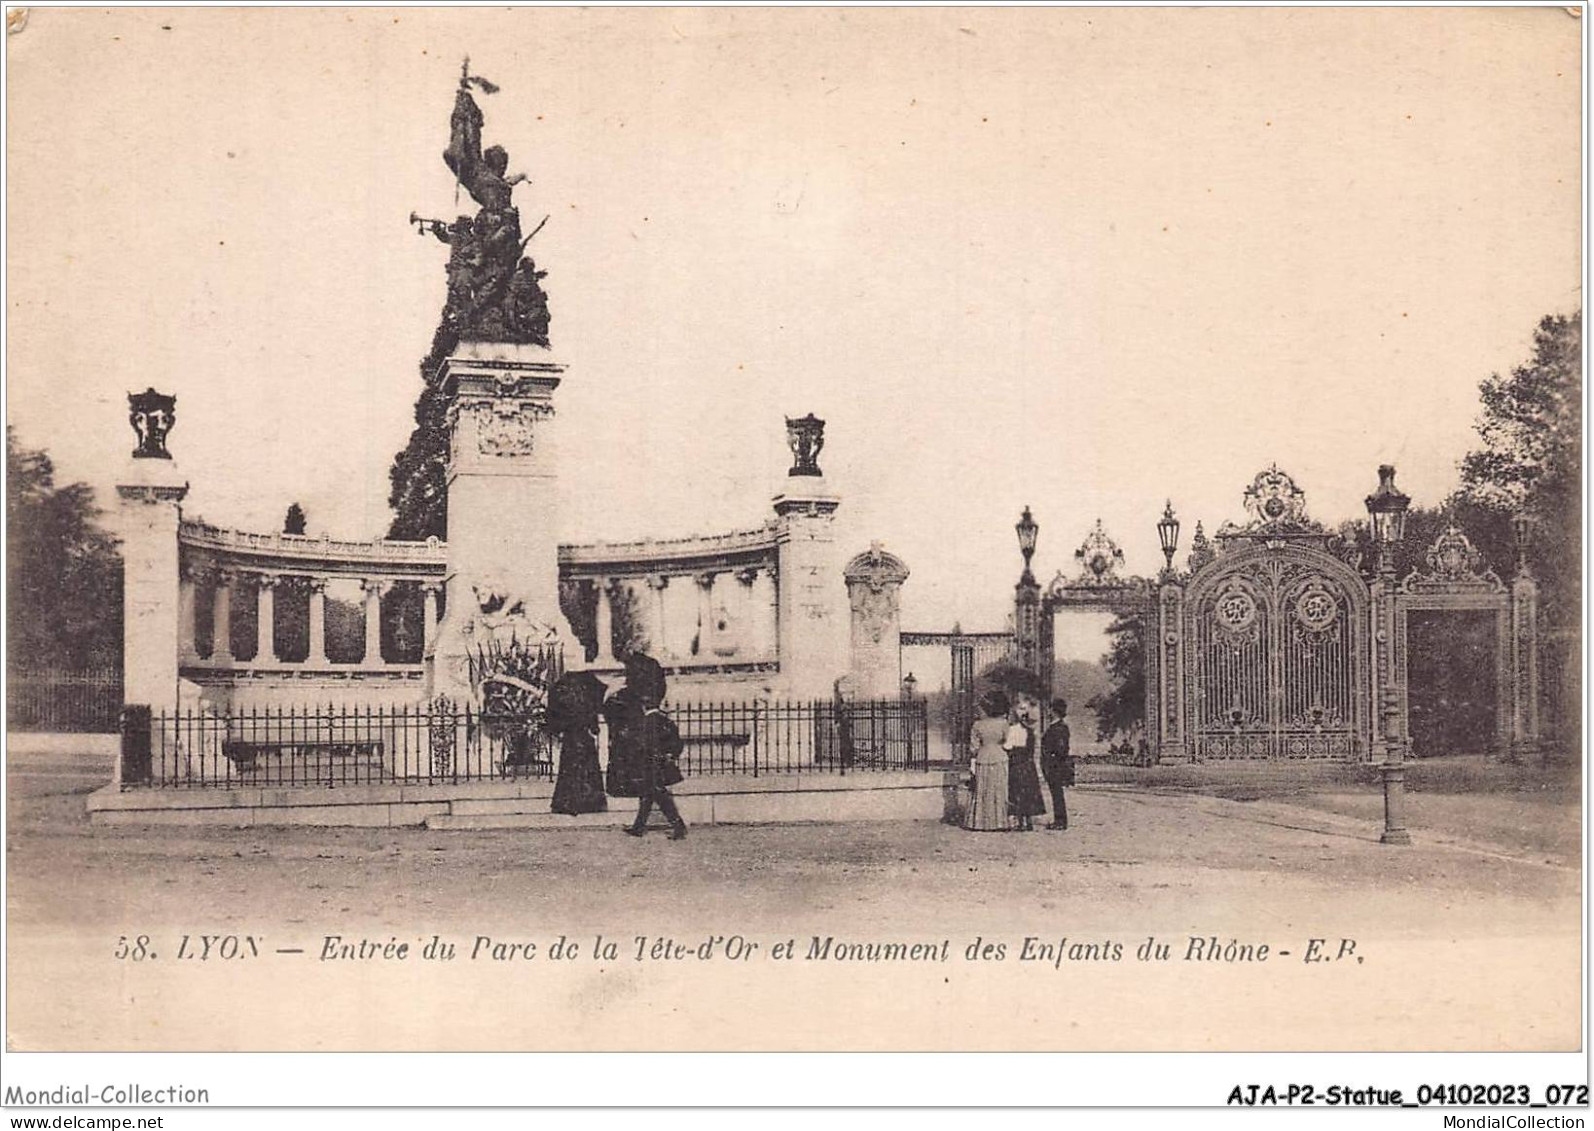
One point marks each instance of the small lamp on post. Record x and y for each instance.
(1522, 529)
(1168, 535)
(910, 684)
(1028, 532)
(1387, 508)
(1027, 595)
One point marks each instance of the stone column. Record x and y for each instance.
(750, 620)
(659, 642)
(705, 612)
(373, 588)
(318, 622)
(187, 610)
(266, 620)
(604, 622)
(765, 592)
(429, 591)
(221, 619)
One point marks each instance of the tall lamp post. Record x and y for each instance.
(1168, 535)
(1387, 508)
(1027, 597)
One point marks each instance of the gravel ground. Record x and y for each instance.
(1468, 939)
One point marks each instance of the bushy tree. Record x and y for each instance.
(64, 580)
(1121, 710)
(1531, 459)
(419, 492)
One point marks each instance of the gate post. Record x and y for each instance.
(1524, 651)
(135, 766)
(1169, 662)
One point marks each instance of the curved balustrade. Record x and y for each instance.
(736, 549)
(703, 603)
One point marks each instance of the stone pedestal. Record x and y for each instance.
(874, 589)
(150, 492)
(813, 622)
(503, 538)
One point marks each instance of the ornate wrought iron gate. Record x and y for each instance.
(1278, 656)
(971, 654)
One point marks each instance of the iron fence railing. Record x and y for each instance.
(338, 746)
(773, 736)
(332, 746)
(51, 699)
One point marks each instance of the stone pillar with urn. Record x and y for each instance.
(811, 618)
(150, 491)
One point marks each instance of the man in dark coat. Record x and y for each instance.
(647, 744)
(1057, 764)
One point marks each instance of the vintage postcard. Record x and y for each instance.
(795, 530)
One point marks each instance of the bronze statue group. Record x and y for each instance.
(644, 745)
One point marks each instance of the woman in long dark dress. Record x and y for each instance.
(1023, 780)
(573, 707)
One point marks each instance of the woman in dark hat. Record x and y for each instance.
(649, 744)
(573, 707)
(1023, 782)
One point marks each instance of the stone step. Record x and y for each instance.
(534, 820)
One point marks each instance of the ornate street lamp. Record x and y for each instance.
(909, 686)
(1028, 532)
(1168, 534)
(1387, 507)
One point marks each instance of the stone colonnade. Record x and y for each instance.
(730, 614)
(226, 581)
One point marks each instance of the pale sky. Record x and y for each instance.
(1080, 259)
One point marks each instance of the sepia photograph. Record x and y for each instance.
(794, 530)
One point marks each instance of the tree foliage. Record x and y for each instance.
(294, 521)
(64, 580)
(1531, 458)
(418, 478)
(1121, 710)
